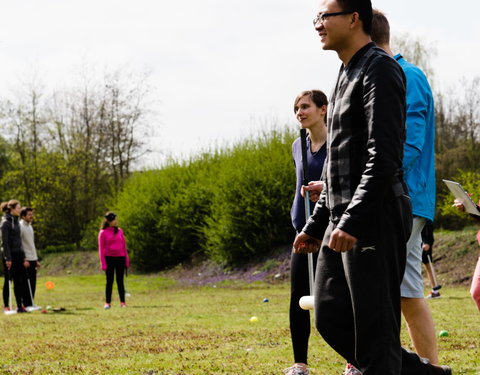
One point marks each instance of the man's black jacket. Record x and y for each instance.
(366, 134)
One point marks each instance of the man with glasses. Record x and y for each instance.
(364, 209)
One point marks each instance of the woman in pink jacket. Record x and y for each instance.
(112, 250)
(475, 288)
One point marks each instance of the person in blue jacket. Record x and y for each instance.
(419, 174)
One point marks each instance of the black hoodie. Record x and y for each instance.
(11, 240)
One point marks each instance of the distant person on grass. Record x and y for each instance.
(310, 109)
(13, 253)
(427, 259)
(6, 274)
(112, 250)
(28, 244)
(362, 221)
(475, 288)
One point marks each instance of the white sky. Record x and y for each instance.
(221, 68)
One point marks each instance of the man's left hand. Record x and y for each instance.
(341, 241)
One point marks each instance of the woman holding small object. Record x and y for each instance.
(13, 254)
(6, 291)
(113, 254)
(475, 287)
(310, 109)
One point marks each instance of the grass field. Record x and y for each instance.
(196, 330)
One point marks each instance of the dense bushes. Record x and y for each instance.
(251, 201)
(162, 214)
(232, 205)
(447, 216)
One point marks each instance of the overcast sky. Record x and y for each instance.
(220, 68)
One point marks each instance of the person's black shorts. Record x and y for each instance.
(425, 255)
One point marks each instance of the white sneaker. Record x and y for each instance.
(351, 370)
(106, 306)
(296, 370)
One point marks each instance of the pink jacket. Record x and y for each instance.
(112, 245)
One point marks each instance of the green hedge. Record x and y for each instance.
(231, 205)
(162, 212)
(251, 202)
(65, 248)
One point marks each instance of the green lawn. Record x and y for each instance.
(171, 330)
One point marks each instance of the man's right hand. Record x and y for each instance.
(9, 264)
(305, 244)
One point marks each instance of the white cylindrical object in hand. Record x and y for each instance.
(307, 302)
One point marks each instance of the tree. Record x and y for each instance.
(72, 150)
(24, 122)
(121, 111)
(417, 52)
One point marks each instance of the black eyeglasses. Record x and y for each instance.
(322, 17)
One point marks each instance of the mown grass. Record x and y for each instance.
(197, 330)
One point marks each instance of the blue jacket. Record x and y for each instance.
(418, 157)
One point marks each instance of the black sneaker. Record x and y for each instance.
(433, 294)
(440, 370)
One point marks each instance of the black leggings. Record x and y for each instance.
(6, 292)
(115, 265)
(299, 318)
(18, 275)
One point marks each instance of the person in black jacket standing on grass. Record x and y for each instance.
(363, 215)
(6, 275)
(13, 252)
